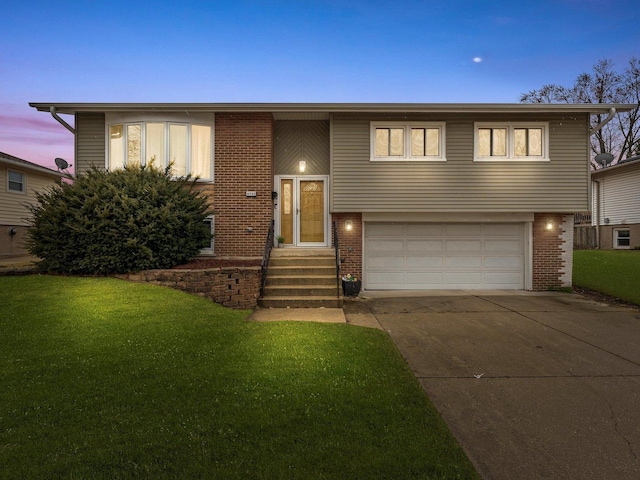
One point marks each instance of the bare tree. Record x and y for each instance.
(621, 136)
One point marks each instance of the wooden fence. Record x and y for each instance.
(584, 237)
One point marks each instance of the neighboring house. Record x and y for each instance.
(425, 196)
(19, 180)
(616, 205)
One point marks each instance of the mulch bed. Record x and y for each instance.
(203, 263)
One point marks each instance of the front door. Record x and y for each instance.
(303, 210)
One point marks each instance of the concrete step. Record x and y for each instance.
(301, 261)
(300, 290)
(303, 252)
(302, 279)
(300, 302)
(289, 270)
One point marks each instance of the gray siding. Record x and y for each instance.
(288, 147)
(460, 184)
(90, 141)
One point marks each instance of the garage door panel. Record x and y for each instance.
(463, 245)
(462, 230)
(513, 262)
(423, 230)
(505, 246)
(423, 280)
(389, 263)
(474, 262)
(424, 246)
(430, 256)
(424, 261)
(386, 229)
(501, 278)
(503, 230)
(466, 279)
(386, 246)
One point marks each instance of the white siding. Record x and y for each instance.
(619, 195)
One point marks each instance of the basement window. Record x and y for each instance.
(621, 238)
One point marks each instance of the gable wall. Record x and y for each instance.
(459, 184)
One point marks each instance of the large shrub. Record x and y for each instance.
(121, 221)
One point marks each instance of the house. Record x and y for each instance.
(19, 180)
(424, 196)
(616, 204)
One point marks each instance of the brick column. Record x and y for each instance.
(243, 162)
(551, 251)
(350, 243)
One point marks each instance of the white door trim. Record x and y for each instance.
(296, 195)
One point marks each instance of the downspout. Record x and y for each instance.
(61, 121)
(594, 130)
(597, 212)
(597, 128)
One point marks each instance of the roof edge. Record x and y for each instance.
(27, 165)
(72, 108)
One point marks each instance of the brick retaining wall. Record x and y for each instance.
(232, 287)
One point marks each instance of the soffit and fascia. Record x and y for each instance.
(318, 111)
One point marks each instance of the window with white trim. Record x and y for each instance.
(208, 248)
(621, 238)
(16, 182)
(407, 141)
(516, 141)
(187, 146)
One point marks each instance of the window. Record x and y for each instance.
(412, 141)
(16, 182)
(621, 238)
(187, 146)
(513, 141)
(208, 249)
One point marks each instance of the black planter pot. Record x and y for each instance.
(351, 289)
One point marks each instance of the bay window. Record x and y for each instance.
(186, 146)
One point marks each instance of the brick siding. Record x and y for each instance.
(350, 243)
(243, 162)
(549, 247)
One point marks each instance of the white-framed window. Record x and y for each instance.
(408, 141)
(16, 182)
(621, 238)
(186, 143)
(513, 141)
(208, 249)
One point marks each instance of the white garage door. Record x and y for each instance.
(419, 256)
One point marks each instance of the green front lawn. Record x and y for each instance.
(100, 378)
(614, 272)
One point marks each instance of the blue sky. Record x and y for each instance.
(291, 51)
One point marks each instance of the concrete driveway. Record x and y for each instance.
(532, 385)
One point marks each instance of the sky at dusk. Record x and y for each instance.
(291, 51)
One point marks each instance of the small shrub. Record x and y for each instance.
(122, 221)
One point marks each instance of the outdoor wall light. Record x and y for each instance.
(348, 225)
(12, 231)
(549, 226)
(302, 166)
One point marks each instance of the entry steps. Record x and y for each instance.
(301, 277)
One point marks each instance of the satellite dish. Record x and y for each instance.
(62, 164)
(603, 159)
